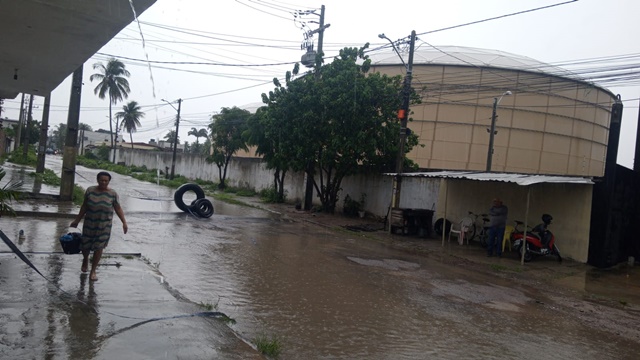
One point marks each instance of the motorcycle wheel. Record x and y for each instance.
(557, 252)
(527, 255)
(484, 236)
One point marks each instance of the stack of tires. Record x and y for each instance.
(200, 207)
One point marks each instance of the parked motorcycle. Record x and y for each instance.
(534, 245)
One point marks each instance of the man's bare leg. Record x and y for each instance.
(97, 254)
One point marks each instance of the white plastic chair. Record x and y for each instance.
(462, 231)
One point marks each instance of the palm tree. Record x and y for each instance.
(112, 81)
(171, 138)
(198, 133)
(130, 118)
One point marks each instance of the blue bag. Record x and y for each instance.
(71, 243)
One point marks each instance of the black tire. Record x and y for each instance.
(527, 255)
(177, 196)
(202, 208)
(437, 227)
(472, 232)
(484, 237)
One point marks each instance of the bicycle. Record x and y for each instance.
(476, 231)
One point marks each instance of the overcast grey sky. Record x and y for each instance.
(245, 37)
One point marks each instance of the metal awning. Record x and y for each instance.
(520, 179)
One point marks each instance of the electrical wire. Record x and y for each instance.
(496, 17)
(262, 11)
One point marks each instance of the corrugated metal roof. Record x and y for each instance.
(520, 179)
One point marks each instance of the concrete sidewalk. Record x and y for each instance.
(129, 313)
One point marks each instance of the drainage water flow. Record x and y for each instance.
(144, 47)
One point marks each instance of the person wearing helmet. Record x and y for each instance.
(543, 232)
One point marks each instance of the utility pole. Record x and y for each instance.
(25, 146)
(308, 194)
(71, 140)
(492, 130)
(44, 129)
(175, 141)
(492, 133)
(403, 114)
(19, 129)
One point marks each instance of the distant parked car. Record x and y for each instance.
(50, 151)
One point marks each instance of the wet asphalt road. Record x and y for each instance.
(321, 293)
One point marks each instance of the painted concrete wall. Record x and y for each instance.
(242, 172)
(569, 204)
(251, 173)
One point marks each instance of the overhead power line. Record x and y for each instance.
(195, 62)
(497, 17)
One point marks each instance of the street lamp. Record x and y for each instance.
(175, 140)
(492, 131)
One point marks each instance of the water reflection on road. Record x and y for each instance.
(330, 295)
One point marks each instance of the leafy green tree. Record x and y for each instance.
(58, 136)
(129, 118)
(85, 127)
(226, 138)
(342, 122)
(33, 133)
(205, 147)
(112, 81)
(264, 133)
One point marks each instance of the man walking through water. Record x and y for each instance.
(498, 220)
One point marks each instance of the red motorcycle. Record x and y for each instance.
(536, 240)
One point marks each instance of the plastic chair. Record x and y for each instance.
(463, 228)
(506, 240)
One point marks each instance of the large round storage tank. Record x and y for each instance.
(552, 123)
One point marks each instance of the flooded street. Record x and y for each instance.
(324, 294)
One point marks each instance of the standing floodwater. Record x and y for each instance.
(320, 293)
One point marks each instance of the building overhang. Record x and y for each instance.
(43, 42)
(520, 179)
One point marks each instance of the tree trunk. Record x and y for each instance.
(110, 124)
(280, 187)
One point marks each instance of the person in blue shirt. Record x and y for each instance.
(497, 222)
